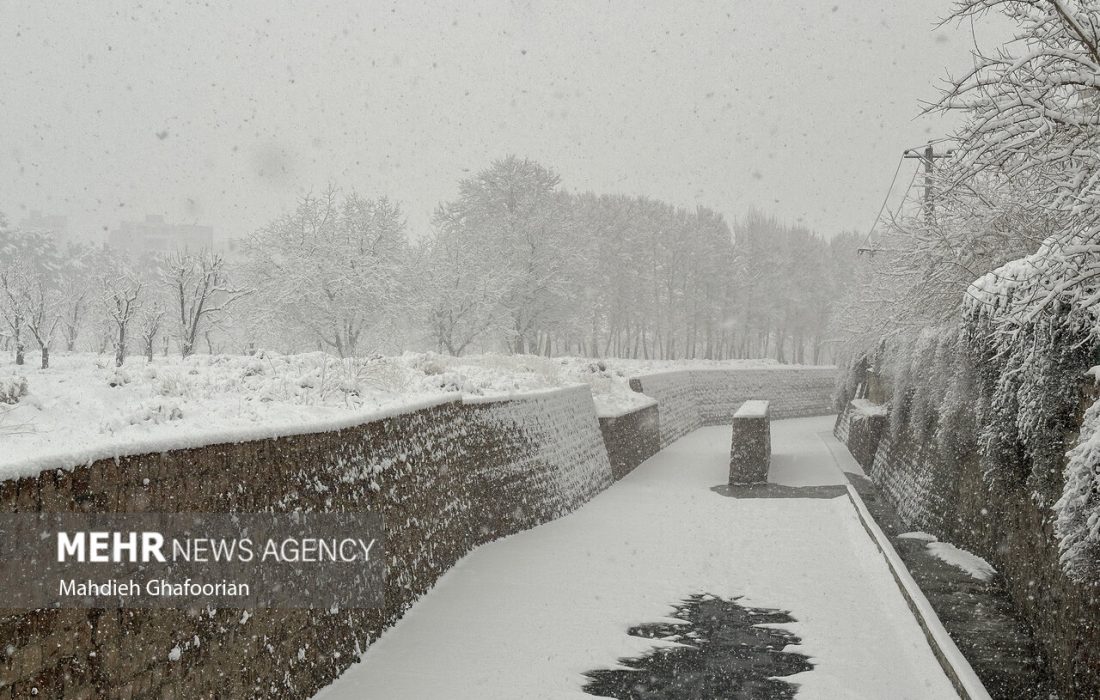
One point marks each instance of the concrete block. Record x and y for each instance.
(751, 445)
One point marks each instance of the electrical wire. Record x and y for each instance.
(881, 209)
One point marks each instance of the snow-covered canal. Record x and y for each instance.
(526, 616)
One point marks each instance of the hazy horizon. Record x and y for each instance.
(223, 116)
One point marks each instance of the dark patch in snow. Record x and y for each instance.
(779, 491)
(725, 654)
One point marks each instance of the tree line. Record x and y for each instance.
(514, 263)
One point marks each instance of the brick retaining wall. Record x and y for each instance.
(689, 399)
(675, 394)
(952, 499)
(445, 479)
(631, 438)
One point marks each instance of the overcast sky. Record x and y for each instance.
(222, 113)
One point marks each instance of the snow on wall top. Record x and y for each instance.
(752, 409)
(649, 368)
(869, 408)
(82, 408)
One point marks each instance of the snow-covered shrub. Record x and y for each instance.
(956, 432)
(922, 397)
(848, 382)
(12, 388)
(1031, 358)
(379, 373)
(119, 377)
(153, 411)
(1052, 368)
(1077, 512)
(429, 363)
(169, 384)
(450, 381)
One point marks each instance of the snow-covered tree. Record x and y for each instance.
(514, 213)
(332, 268)
(625, 276)
(30, 289)
(121, 296)
(12, 282)
(76, 291)
(200, 293)
(1033, 118)
(463, 292)
(150, 321)
(917, 271)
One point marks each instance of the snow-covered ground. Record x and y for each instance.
(955, 556)
(83, 408)
(526, 616)
(960, 558)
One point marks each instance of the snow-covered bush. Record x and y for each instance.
(169, 384)
(1005, 389)
(12, 388)
(1077, 512)
(119, 377)
(380, 373)
(1032, 362)
(153, 411)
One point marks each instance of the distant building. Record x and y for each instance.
(231, 248)
(155, 237)
(54, 224)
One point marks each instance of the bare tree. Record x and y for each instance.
(29, 289)
(201, 291)
(1033, 110)
(121, 300)
(42, 303)
(75, 292)
(150, 321)
(11, 285)
(13, 280)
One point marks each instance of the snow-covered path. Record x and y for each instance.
(525, 616)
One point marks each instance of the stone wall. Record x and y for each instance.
(1019, 540)
(689, 399)
(903, 471)
(864, 432)
(631, 438)
(676, 402)
(445, 478)
(929, 466)
(791, 392)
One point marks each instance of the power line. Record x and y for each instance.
(863, 248)
(927, 157)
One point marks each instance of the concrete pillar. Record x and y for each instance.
(751, 447)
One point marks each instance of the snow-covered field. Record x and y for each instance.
(526, 616)
(83, 408)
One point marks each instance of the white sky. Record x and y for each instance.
(222, 113)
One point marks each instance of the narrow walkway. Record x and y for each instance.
(529, 615)
(978, 615)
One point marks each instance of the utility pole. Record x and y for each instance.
(928, 156)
